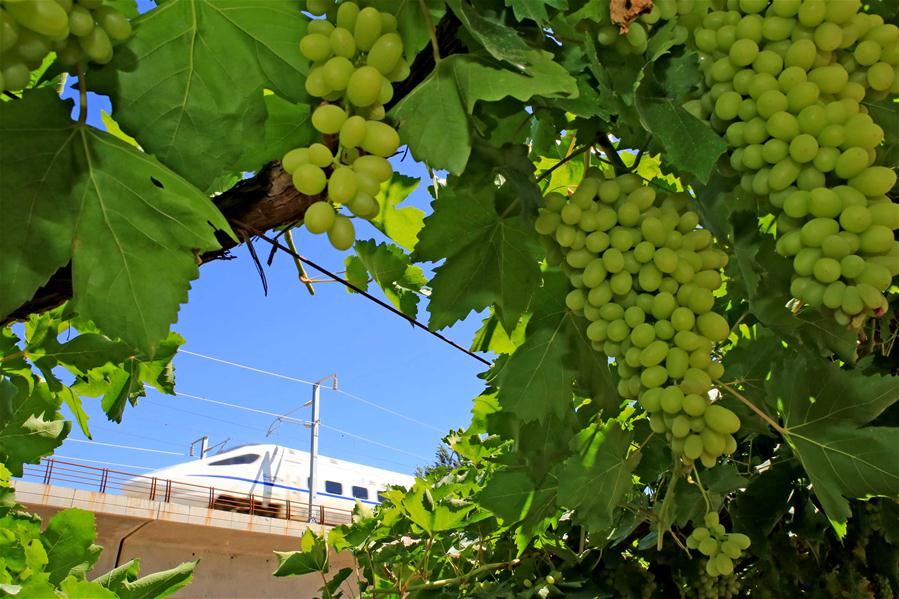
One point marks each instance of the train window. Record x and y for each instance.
(333, 488)
(381, 497)
(247, 458)
(360, 492)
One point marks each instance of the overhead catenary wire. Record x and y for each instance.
(130, 447)
(365, 294)
(244, 408)
(373, 442)
(299, 421)
(299, 380)
(245, 367)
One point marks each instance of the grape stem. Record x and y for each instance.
(301, 270)
(444, 582)
(705, 495)
(610, 151)
(753, 407)
(435, 45)
(82, 95)
(569, 156)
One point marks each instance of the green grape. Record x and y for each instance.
(874, 180)
(881, 76)
(309, 179)
(828, 36)
(388, 23)
(342, 185)
(32, 47)
(342, 43)
(315, 47)
(368, 28)
(346, 15)
(342, 234)
(337, 71)
(386, 53)
(81, 22)
(113, 22)
(385, 94)
(97, 46)
(328, 119)
(364, 86)
(380, 139)
(867, 52)
(319, 217)
(352, 132)
(294, 158)
(721, 420)
(374, 166)
(9, 30)
(315, 83)
(320, 155)
(40, 16)
(15, 75)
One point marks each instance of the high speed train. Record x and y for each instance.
(268, 480)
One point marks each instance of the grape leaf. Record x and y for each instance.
(30, 423)
(124, 581)
(129, 225)
(311, 557)
(431, 514)
(535, 9)
(400, 224)
(599, 474)
(75, 588)
(489, 259)
(69, 541)
(287, 126)
(823, 409)
(690, 144)
(537, 380)
(394, 273)
(433, 118)
(196, 100)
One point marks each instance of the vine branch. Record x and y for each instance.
(432, 32)
(572, 154)
(82, 95)
(753, 407)
(444, 582)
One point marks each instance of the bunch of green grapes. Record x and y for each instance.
(785, 84)
(644, 275)
(721, 547)
(356, 54)
(635, 38)
(713, 587)
(75, 30)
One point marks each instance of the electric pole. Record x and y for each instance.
(313, 445)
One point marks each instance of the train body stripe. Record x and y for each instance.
(268, 484)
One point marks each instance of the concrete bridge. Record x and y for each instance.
(234, 549)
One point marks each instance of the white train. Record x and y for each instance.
(268, 480)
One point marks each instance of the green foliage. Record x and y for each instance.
(562, 487)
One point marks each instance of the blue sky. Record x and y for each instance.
(377, 356)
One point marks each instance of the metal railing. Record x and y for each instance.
(117, 482)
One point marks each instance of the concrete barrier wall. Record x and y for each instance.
(235, 550)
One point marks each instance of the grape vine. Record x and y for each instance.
(677, 219)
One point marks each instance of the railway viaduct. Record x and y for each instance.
(234, 549)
